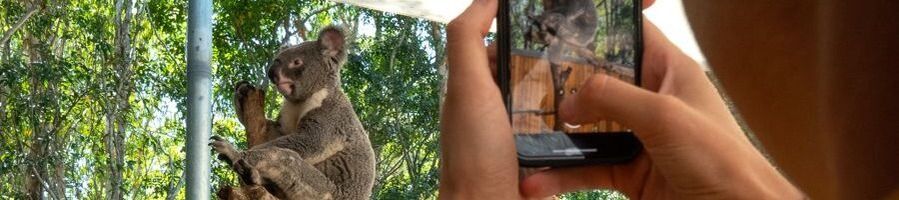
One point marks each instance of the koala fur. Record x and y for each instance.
(317, 124)
(273, 173)
(566, 25)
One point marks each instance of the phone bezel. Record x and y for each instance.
(503, 74)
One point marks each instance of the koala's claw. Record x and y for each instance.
(226, 150)
(247, 98)
(243, 88)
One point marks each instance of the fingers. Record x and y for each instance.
(477, 149)
(655, 118)
(476, 19)
(603, 97)
(657, 52)
(668, 70)
(561, 180)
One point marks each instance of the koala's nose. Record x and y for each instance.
(286, 88)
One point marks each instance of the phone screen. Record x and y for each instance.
(548, 48)
(555, 46)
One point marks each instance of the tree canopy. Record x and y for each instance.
(92, 93)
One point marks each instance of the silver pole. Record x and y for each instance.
(199, 97)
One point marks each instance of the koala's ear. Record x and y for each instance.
(333, 39)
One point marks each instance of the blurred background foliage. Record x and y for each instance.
(92, 92)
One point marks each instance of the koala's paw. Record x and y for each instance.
(244, 91)
(225, 149)
(247, 173)
(249, 101)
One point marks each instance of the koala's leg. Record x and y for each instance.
(313, 148)
(247, 192)
(287, 176)
(249, 103)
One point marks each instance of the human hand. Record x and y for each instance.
(478, 158)
(693, 146)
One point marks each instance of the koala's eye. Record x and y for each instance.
(297, 62)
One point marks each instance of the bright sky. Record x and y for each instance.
(668, 15)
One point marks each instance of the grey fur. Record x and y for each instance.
(566, 25)
(329, 138)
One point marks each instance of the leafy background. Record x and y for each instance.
(92, 92)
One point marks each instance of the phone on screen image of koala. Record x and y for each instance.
(546, 50)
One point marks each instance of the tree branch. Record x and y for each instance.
(176, 187)
(301, 23)
(18, 25)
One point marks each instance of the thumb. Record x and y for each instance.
(602, 97)
(476, 19)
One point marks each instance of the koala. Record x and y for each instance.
(566, 25)
(316, 122)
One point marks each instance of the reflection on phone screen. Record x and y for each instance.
(556, 45)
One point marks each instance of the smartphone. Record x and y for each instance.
(546, 49)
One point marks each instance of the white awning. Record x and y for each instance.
(667, 15)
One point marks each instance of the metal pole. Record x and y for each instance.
(199, 100)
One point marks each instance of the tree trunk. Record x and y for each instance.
(438, 43)
(117, 111)
(34, 168)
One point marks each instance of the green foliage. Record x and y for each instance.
(58, 79)
(595, 194)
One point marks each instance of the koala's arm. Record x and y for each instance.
(313, 148)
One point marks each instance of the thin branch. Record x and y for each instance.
(44, 183)
(303, 20)
(301, 23)
(18, 25)
(176, 186)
